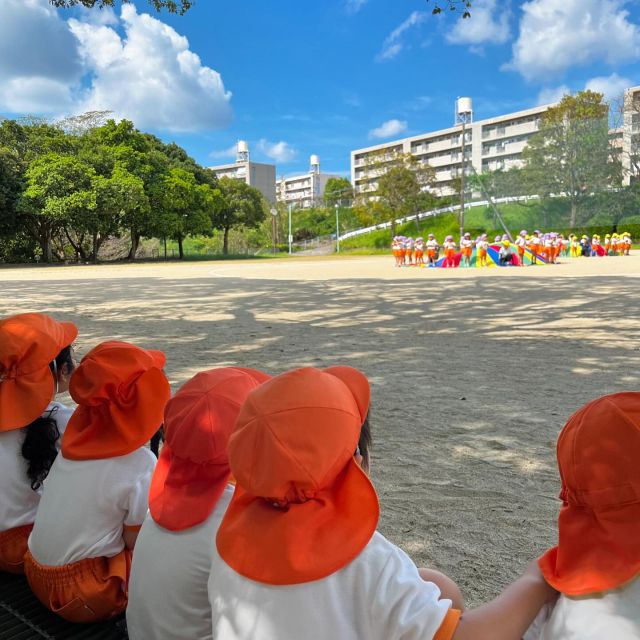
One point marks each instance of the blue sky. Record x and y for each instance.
(295, 77)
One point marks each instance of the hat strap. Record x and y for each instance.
(55, 378)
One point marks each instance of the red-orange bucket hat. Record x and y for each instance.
(193, 468)
(599, 523)
(303, 508)
(29, 342)
(121, 393)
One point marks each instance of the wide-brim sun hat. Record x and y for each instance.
(193, 467)
(598, 451)
(121, 391)
(29, 342)
(302, 508)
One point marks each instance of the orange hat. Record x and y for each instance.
(598, 453)
(303, 508)
(193, 468)
(29, 342)
(121, 393)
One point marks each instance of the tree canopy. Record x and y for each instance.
(172, 6)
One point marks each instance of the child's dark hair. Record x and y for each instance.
(39, 446)
(364, 443)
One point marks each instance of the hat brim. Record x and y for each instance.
(597, 551)
(300, 542)
(25, 398)
(109, 429)
(183, 494)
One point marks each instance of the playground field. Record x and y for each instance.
(474, 372)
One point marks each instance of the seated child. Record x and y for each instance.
(36, 361)
(298, 554)
(190, 491)
(95, 498)
(505, 255)
(596, 565)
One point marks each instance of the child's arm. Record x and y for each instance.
(448, 588)
(508, 616)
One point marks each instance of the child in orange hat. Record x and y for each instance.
(95, 498)
(36, 362)
(298, 554)
(190, 491)
(596, 565)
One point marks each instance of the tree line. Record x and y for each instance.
(65, 189)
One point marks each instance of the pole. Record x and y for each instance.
(337, 228)
(290, 236)
(464, 121)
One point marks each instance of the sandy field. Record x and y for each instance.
(474, 372)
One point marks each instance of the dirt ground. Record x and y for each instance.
(474, 372)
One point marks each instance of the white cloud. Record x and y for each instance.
(557, 35)
(612, 86)
(39, 60)
(142, 69)
(150, 75)
(489, 24)
(353, 6)
(394, 42)
(550, 95)
(279, 151)
(225, 153)
(389, 129)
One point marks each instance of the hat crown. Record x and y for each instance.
(108, 372)
(598, 453)
(296, 433)
(199, 419)
(28, 342)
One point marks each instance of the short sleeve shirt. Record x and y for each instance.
(85, 505)
(378, 596)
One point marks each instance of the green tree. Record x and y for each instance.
(401, 183)
(172, 6)
(11, 177)
(58, 189)
(239, 205)
(571, 154)
(453, 5)
(337, 191)
(185, 207)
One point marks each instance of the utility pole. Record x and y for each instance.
(337, 228)
(290, 234)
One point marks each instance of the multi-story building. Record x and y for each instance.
(631, 134)
(304, 190)
(491, 144)
(256, 174)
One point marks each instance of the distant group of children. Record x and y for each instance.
(541, 247)
(259, 520)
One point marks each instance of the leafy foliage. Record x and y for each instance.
(453, 5)
(172, 6)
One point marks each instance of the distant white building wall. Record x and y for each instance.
(304, 190)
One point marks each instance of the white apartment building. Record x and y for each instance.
(490, 145)
(631, 133)
(304, 190)
(255, 174)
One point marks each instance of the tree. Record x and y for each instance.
(185, 207)
(337, 190)
(401, 183)
(172, 6)
(11, 176)
(239, 205)
(453, 5)
(58, 189)
(572, 154)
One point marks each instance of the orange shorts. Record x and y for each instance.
(467, 251)
(450, 253)
(86, 591)
(419, 253)
(13, 546)
(521, 251)
(431, 253)
(482, 253)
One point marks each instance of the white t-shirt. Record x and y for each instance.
(611, 615)
(85, 504)
(168, 587)
(19, 502)
(379, 595)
